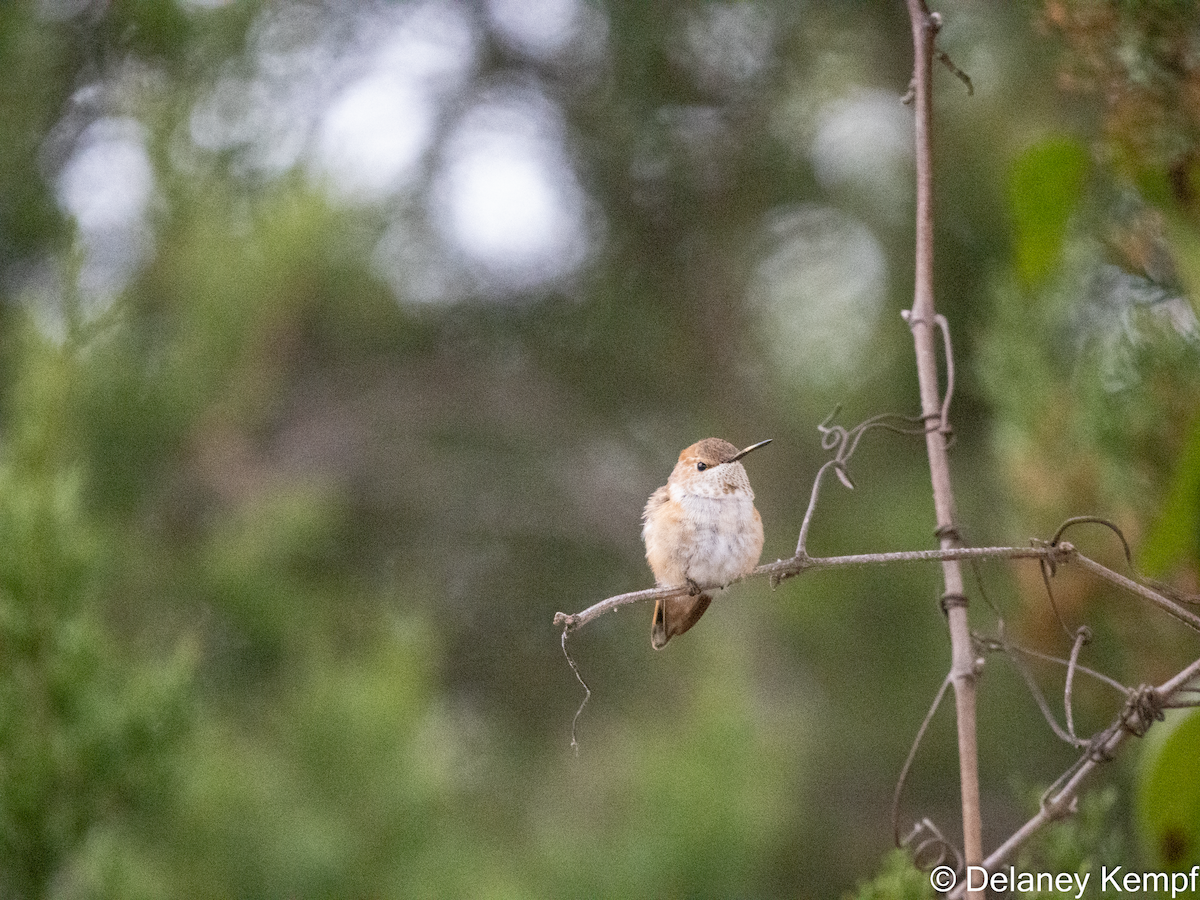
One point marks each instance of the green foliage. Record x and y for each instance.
(1094, 374)
(645, 794)
(899, 880)
(1091, 357)
(1044, 190)
(35, 84)
(1134, 55)
(89, 729)
(337, 790)
(1175, 540)
(1168, 799)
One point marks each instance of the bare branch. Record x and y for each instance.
(783, 569)
(578, 620)
(1142, 708)
(1160, 600)
(922, 321)
(1174, 686)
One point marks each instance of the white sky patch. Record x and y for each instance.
(359, 102)
(108, 181)
(374, 135)
(503, 204)
(355, 98)
(508, 197)
(540, 28)
(432, 44)
(820, 287)
(865, 141)
(265, 112)
(107, 186)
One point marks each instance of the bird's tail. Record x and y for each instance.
(674, 616)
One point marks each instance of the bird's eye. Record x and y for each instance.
(700, 467)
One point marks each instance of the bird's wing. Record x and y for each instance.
(657, 499)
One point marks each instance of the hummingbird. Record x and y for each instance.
(701, 529)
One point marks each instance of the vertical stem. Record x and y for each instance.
(962, 667)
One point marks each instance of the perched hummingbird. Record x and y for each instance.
(701, 528)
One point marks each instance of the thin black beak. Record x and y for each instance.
(748, 449)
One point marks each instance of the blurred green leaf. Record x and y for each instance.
(1175, 537)
(1044, 188)
(1168, 796)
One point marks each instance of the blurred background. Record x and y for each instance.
(342, 342)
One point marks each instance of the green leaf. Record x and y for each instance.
(1043, 191)
(1176, 535)
(1169, 795)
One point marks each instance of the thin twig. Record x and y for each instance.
(1047, 572)
(1092, 673)
(944, 327)
(1095, 520)
(912, 755)
(587, 691)
(925, 835)
(1082, 636)
(801, 550)
(996, 646)
(783, 569)
(958, 73)
(1172, 608)
(843, 442)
